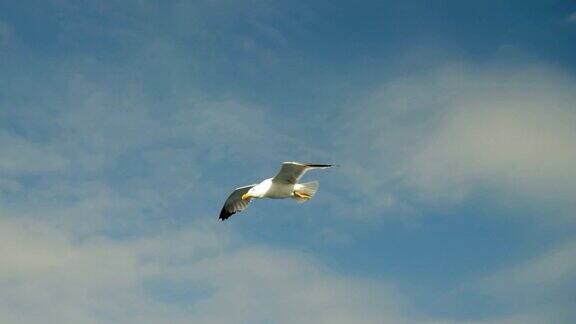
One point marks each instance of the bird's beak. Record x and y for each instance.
(246, 196)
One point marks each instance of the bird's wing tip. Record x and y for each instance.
(224, 214)
(319, 165)
(312, 165)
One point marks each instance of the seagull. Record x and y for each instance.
(283, 185)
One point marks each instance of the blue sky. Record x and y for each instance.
(125, 124)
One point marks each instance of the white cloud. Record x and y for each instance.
(47, 276)
(552, 268)
(517, 138)
(444, 135)
(537, 289)
(19, 155)
(534, 289)
(571, 18)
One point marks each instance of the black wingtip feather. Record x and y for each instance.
(320, 165)
(224, 214)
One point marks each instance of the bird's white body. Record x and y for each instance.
(270, 189)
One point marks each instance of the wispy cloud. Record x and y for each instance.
(19, 155)
(538, 286)
(445, 133)
(99, 279)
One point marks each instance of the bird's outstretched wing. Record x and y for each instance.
(234, 202)
(291, 172)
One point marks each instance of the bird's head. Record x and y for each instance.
(254, 192)
(247, 196)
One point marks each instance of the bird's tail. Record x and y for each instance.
(305, 191)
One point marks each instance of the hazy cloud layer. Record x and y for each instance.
(178, 276)
(444, 134)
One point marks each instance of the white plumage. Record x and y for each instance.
(283, 185)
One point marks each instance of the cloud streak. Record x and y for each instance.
(444, 134)
(99, 279)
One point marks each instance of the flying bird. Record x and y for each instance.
(283, 185)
